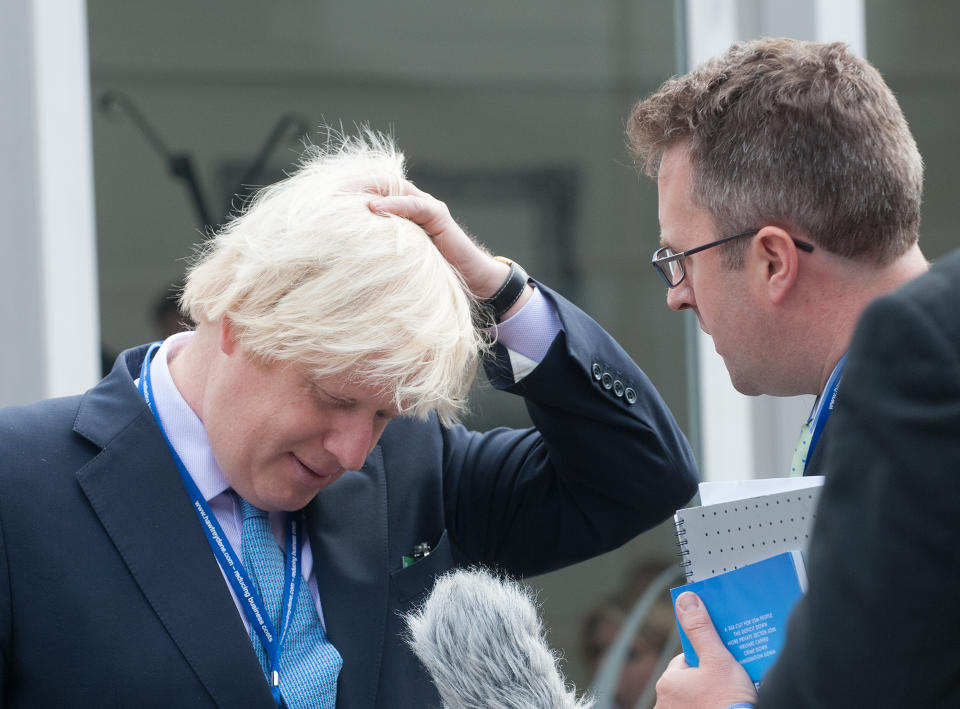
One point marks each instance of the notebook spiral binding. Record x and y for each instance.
(684, 552)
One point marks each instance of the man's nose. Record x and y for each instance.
(350, 442)
(680, 297)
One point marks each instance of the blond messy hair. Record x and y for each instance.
(307, 274)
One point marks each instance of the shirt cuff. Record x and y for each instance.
(528, 334)
(741, 705)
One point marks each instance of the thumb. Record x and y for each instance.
(695, 620)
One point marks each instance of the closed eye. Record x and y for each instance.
(325, 398)
(338, 402)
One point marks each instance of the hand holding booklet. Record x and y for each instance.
(743, 557)
(749, 608)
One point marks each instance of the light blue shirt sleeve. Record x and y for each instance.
(528, 334)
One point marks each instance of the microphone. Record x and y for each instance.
(482, 642)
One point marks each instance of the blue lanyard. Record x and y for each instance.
(825, 405)
(250, 600)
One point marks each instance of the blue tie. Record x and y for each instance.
(309, 664)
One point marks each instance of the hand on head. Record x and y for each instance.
(482, 274)
(718, 682)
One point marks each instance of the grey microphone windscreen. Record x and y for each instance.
(482, 642)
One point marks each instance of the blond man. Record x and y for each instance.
(238, 516)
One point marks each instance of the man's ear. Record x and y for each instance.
(228, 342)
(776, 260)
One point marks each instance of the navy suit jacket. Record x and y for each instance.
(879, 626)
(111, 597)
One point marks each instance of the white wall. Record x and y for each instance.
(48, 273)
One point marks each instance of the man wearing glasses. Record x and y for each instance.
(789, 190)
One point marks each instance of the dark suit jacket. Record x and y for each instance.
(880, 626)
(111, 597)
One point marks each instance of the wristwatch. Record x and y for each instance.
(508, 293)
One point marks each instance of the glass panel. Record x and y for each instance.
(915, 48)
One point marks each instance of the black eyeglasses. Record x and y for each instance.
(669, 263)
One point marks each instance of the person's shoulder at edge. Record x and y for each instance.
(931, 289)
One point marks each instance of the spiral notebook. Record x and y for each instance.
(715, 539)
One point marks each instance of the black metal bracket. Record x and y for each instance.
(181, 164)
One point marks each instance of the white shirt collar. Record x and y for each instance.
(183, 427)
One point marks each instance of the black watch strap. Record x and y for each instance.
(509, 292)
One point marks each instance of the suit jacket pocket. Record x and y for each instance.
(413, 582)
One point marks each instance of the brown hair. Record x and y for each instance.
(803, 135)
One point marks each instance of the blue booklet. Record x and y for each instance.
(749, 607)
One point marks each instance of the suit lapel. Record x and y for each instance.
(135, 490)
(348, 536)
